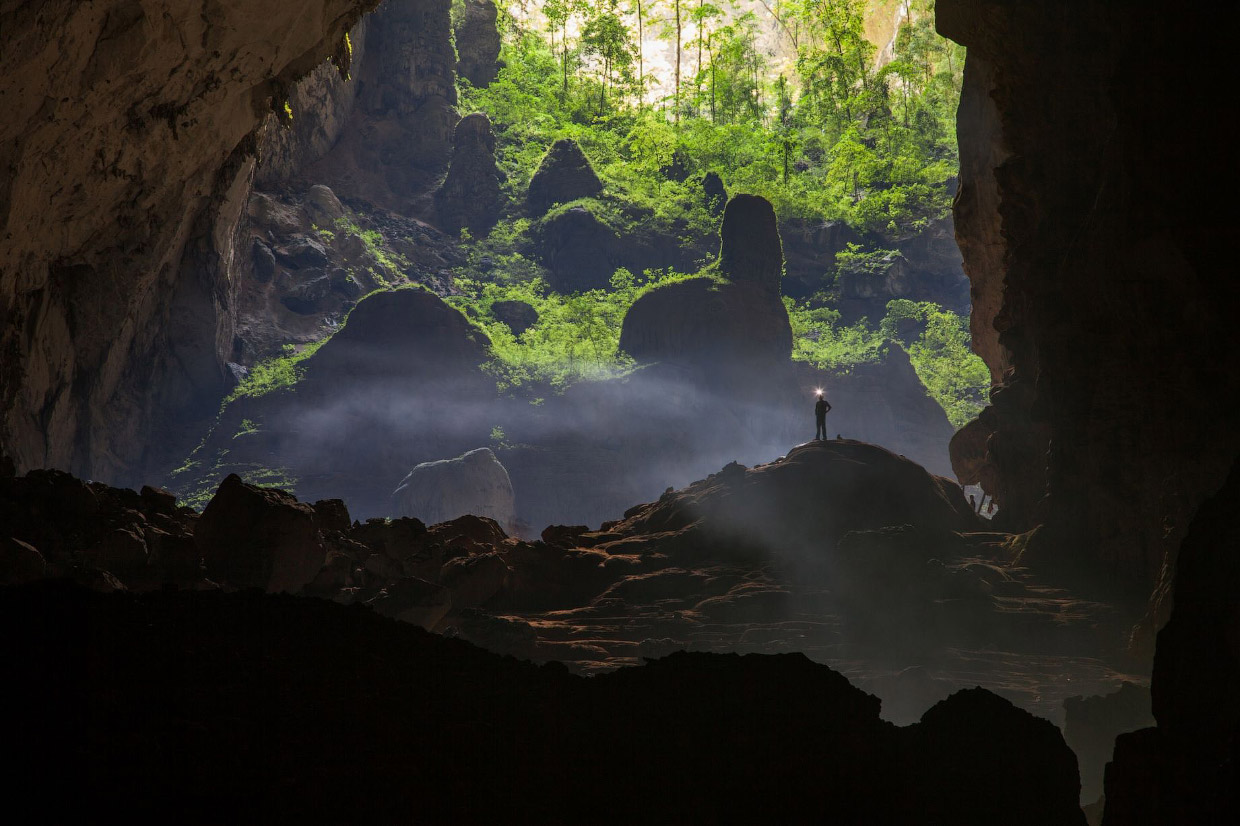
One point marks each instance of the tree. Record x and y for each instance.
(607, 38)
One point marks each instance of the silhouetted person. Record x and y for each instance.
(820, 416)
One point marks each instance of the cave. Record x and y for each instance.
(282, 538)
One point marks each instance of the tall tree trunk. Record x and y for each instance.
(677, 97)
(641, 66)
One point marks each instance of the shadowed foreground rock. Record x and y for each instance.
(209, 707)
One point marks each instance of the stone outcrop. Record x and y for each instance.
(1187, 769)
(565, 174)
(399, 139)
(129, 136)
(728, 327)
(714, 193)
(580, 251)
(477, 43)
(884, 403)
(256, 537)
(473, 483)
(368, 405)
(518, 315)
(1102, 309)
(470, 195)
(750, 250)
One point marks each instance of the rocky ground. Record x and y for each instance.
(839, 551)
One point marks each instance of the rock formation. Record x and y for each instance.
(129, 138)
(258, 537)
(564, 175)
(518, 315)
(749, 739)
(1103, 310)
(477, 43)
(714, 193)
(399, 139)
(729, 327)
(1091, 725)
(370, 403)
(1187, 770)
(750, 250)
(470, 196)
(580, 251)
(473, 483)
(885, 403)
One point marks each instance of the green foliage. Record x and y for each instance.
(576, 337)
(937, 341)
(819, 339)
(838, 140)
(280, 373)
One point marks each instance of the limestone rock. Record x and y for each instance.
(414, 601)
(1091, 725)
(123, 268)
(579, 250)
(477, 43)
(323, 205)
(714, 193)
(518, 315)
(565, 174)
(470, 195)
(750, 250)
(259, 537)
(729, 327)
(474, 580)
(474, 483)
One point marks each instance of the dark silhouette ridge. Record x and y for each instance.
(240, 707)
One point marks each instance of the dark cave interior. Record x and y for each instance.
(758, 630)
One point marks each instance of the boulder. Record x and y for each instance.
(750, 250)
(323, 205)
(564, 175)
(20, 563)
(414, 601)
(259, 537)
(579, 251)
(474, 580)
(307, 297)
(714, 193)
(518, 315)
(718, 327)
(264, 262)
(966, 750)
(302, 252)
(477, 43)
(331, 515)
(470, 194)
(474, 483)
(270, 214)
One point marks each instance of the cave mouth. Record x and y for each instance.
(564, 220)
(608, 315)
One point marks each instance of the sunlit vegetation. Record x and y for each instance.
(576, 336)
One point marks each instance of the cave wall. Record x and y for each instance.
(126, 153)
(1090, 218)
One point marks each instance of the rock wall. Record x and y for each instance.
(127, 149)
(1102, 270)
(400, 131)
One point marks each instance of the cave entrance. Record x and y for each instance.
(590, 175)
